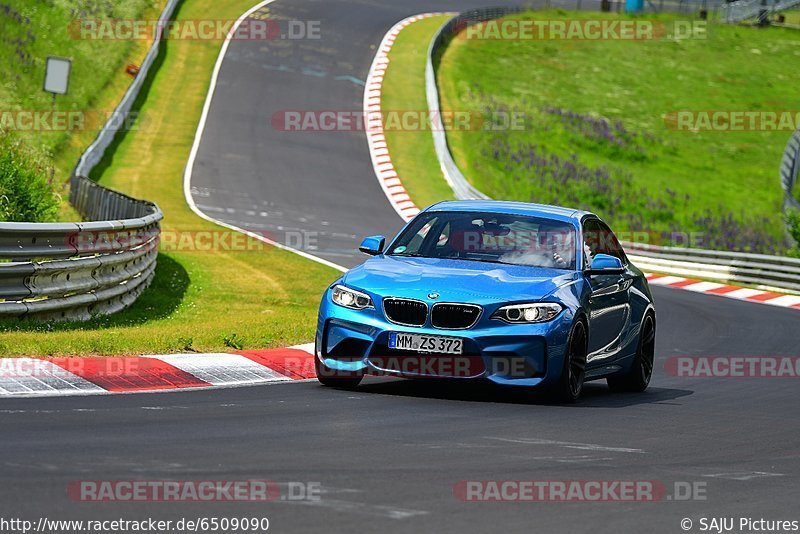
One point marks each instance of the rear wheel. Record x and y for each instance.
(335, 378)
(570, 385)
(638, 377)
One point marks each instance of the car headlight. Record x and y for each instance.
(350, 298)
(539, 312)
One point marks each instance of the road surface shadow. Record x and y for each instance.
(595, 394)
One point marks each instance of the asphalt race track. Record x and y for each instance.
(388, 455)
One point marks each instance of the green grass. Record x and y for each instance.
(26, 194)
(204, 301)
(412, 152)
(35, 29)
(793, 224)
(722, 184)
(720, 187)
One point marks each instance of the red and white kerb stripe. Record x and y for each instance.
(381, 160)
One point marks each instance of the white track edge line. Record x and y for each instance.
(187, 173)
(66, 393)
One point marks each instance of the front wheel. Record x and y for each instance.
(638, 377)
(570, 385)
(335, 378)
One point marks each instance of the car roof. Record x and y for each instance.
(516, 208)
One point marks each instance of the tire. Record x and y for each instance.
(638, 377)
(570, 384)
(336, 379)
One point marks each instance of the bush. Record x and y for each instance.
(26, 189)
(793, 223)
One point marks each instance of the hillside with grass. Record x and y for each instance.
(599, 132)
(249, 296)
(32, 30)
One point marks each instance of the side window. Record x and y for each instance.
(591, 244)
(444, 237)
(416, 242)
(609, 244)
(599, 239)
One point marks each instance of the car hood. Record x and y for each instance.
(455, 280)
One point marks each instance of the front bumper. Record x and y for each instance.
(520, 355)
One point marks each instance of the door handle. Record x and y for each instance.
(620, 285)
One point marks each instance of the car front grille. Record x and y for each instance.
(454, 316)
(405, 311)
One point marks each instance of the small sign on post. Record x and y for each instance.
(56, 76)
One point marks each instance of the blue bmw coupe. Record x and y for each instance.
(519, 294)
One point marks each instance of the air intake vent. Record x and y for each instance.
(405, 311)
(454, 316)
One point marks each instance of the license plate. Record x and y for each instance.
(425, 343)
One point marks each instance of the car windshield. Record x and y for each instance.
(489, 237)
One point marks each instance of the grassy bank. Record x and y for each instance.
(32, 30)
(404, 90)
(597, 127)
(201, 300)
(599, 131)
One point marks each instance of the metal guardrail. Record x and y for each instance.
(458, 183)
(768, 272)
(75, 271)
(748, 9)
(92, 155)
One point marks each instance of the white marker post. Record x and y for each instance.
(56, 76)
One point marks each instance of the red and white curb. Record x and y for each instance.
(378, 151)
(724, 290)
(29, 377)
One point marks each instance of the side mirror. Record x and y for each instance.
(606, 264)
(372, 245)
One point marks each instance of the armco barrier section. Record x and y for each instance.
(75, 271)
(458, 183)
(736, 267)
